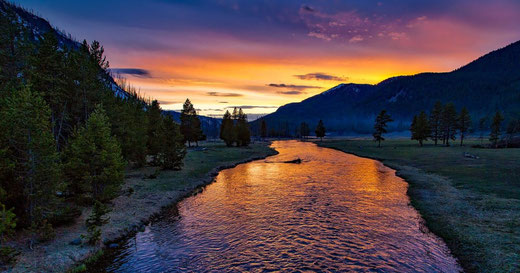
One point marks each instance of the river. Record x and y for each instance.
(334, 212)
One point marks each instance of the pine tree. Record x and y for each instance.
(449, 123)
(263, 129)
(190, 124)
(154, 127)
(47, 77)
(320, 130)
(436, 121)
(242, 129)
(494, 136)
(94, 222)
(464, 122)
(173, 148)
(304, 130)
(513, 127)
(227, 130)
(30, 166)
(380, 126)
(93, 159)
(420, 128)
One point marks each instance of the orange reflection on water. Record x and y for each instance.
(332, 212)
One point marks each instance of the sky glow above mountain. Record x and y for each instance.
(263, 54)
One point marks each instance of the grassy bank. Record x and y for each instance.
(472, 203)
(142, 199)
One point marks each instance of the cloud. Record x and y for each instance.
(292, 86)
(222, 102)
(253, 106)
(294, 92)
(321, 77)
(217, 94)
(169, 101)
(137, 72)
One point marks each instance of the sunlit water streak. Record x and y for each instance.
(334, 212)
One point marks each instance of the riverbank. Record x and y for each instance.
(144, 199)
(469, 197)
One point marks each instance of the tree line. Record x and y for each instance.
(65, 137)
(444, 123)
(235, 128)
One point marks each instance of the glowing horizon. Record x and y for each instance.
(261, 54)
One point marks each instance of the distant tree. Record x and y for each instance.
(513, 127)
(380, 126)
(464, 122)
(173, 149)
(304, 130)
(449, 123)
(494, 136)
(227, 131)
(190, 124)
(436, 121)
(482, 128)
(242, 129)
(154, 126)
(30, 167)
(420, 128)
(93, 159)
(263, 129)
(320, 130)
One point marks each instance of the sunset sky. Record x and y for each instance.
(263, 54)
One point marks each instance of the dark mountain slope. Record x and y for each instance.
(488, 84)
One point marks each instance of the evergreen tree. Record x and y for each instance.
(436, 122)
(94, 222)
(190, 124)
(173, 148)
(93, 159)
(464, 122)
(263, 129)
(449, 123)
(420, 128)
(304, 130)
(47, 77)
(154, 126)
(513, 127)
(494, 136)
(227, 130)
(30, 165)
(320, 130)
(242, 129)
(130, 126)
(380, 126)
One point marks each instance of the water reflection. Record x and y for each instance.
(334, 212)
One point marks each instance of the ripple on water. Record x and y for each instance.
(334, 212)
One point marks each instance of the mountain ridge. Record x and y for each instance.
(484, 85)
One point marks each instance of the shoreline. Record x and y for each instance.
(60, 256)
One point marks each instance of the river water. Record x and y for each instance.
(334, 212)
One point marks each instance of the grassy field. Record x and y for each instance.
(473, 204)
(143, 197)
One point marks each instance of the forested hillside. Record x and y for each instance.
(486, 85)
(67, 130)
